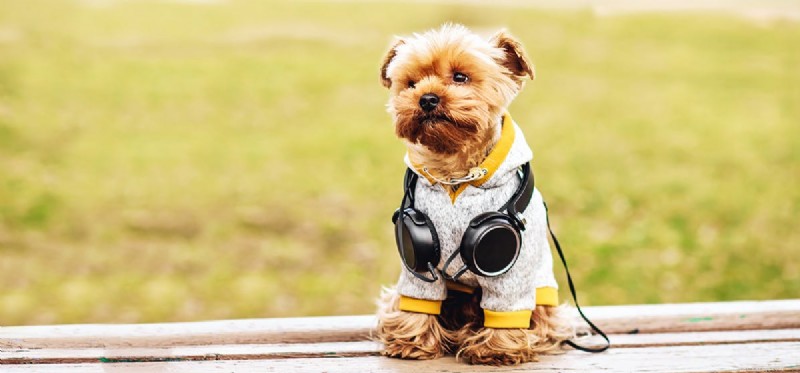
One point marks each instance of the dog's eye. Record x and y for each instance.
(411, 84)
(460, 78)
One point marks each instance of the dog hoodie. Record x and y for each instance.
(508, 299)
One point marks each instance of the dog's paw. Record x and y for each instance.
(408, 335)
(497, 347)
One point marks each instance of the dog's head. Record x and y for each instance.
(449, 86)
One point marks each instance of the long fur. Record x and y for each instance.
(458, 329)
(549, 329)
(409, 335)
(460, 132)
(449, 140)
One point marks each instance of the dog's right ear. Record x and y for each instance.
(388, 59)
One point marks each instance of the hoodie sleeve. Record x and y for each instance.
(420, 296)
(509, 299)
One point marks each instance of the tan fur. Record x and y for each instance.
(449, 140)
(465, 126)
(386, 59)
(461, 313)
(516, 61)
(459, 329)
(409, 335)
(549, 328)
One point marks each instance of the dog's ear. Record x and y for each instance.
(514, 58)
(387, 59)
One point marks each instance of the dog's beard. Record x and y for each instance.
(443, 131)
(439, 133)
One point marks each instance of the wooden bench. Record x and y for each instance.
(694, 337)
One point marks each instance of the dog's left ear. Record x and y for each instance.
(514, 58)
(388, 59)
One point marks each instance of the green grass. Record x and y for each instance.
(164, 161)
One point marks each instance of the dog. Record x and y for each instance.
(477, 281)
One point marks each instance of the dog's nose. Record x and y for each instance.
(428, 101)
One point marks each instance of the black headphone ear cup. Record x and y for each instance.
(417, 241)
(490, 244)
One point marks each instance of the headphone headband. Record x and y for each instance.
(522, 196)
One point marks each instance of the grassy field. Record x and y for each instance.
(164, 161)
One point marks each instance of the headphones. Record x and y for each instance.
(490, 244)
(489, 247)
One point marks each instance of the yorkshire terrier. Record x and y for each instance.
(471, 230)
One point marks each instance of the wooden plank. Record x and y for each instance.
(702, 338)
(248, 331)
(780, 314)
(779, 356)
(348, 349)
(662, 318)
(221, 352)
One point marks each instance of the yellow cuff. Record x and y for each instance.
(507, 320)
(431, 307)
(546, 296)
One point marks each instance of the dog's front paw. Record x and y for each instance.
(409, 335)
(497, 347)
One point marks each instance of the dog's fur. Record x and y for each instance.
(449, 140)
(462, 130)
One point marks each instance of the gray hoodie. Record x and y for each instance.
(507, 299)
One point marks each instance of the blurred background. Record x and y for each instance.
(191, 160)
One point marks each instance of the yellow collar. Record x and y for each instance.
(490, 164)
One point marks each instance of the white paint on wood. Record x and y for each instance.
(780, 314)
(277, 330)
(703, 338)
(214, 352)
(687, 309)
(660, 318)
(712, 358)
(350, 349)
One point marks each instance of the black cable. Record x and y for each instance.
(574, 296)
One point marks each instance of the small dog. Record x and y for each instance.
(449, 90)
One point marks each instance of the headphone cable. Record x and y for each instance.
(574, 296)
